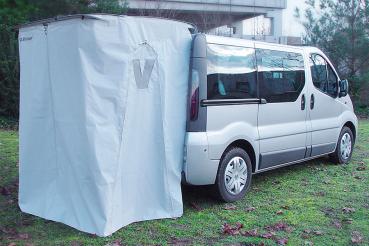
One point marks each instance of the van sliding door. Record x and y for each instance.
(282, 121)
(232, 103)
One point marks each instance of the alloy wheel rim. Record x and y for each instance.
(235, 177)
(346, 146)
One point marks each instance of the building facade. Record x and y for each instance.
(268, 20)
(278, 26)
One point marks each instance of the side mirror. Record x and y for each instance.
(343, 88)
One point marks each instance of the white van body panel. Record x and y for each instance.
(229, 124)
(275, 131)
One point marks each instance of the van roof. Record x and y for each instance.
(251, 43)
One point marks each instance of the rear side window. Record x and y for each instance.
(281, 75)
(324, 78)
(231, 72)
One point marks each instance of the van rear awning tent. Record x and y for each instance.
(102, 119)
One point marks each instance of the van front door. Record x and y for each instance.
(282, 120)
(324, 106)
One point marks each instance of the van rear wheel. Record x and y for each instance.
(234, 175)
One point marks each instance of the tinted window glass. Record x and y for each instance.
(231, 72)
(332, 82)
(324, 78)
(281, 75)
(319, 72)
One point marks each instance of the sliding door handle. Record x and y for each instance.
(312, 101)
(303, 102)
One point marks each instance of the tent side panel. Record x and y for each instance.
(38, 167)
(103, 114)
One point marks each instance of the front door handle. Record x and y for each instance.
(303, 102)
(312, 101)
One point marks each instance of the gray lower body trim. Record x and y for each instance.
(268, 160)
(290, 163)
(309, 153)
(322, 149)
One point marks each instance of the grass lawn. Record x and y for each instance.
(313, 203)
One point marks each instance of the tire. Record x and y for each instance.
(341, 156)
(234, 157)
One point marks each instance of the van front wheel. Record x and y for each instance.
(234, 175)
(344, 148)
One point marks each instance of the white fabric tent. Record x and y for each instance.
(102, 120)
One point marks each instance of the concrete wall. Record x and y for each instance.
(268, 20)
(290, 25)
(235, 6)
(285, 29)
(206, 14)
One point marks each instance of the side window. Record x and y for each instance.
(323, 75)
(319, 72)
(281, 75)
(332, 82)
(231, 72)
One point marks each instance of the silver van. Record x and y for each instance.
(257, 106)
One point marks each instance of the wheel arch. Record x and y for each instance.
(352, 127)
(246, 146)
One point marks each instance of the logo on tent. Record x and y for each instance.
(143, 78)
